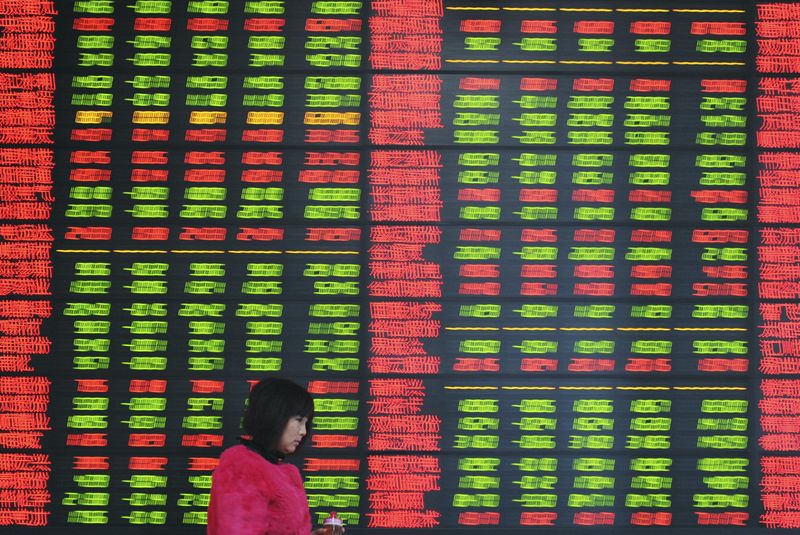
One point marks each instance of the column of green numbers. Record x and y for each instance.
(87, 424)
(649, 432)
(537, 480)
(593, 481)
(478, 432)
(145, 348)
(722, 442)
(263, 317)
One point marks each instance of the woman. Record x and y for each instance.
(253, 491)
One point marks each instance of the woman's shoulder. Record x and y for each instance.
(240, 454)
(237, 451)
(241, 461)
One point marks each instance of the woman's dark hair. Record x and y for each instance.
(272, 403)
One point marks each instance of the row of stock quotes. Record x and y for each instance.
(537, 264)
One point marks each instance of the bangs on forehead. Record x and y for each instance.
(303, 407)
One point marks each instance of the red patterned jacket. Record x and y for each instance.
(253, 496)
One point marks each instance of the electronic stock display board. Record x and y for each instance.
(537, 261)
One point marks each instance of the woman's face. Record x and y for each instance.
(293, 434)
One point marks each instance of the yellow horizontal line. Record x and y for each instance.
(255, 252)
(634, 329)
(603, 388)
(736, 329)
(198, 251)
(322, 252)
(82, 251)
(586, 388)
(709, 388)
(596, 10)
(708, 10)
(470, 388)
(137, 251)
(711, 63)
(581, 62)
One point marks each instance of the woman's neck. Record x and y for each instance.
(272, 456)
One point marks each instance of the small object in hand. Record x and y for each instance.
(333, 525)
